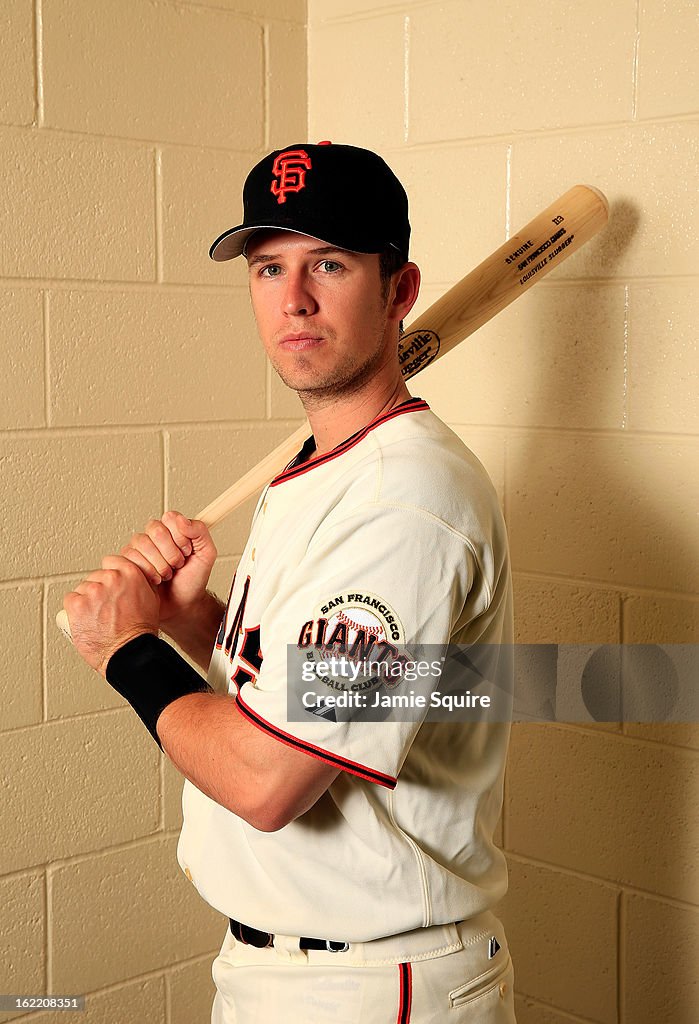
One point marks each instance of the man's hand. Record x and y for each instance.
(176, 555)
(111, 606)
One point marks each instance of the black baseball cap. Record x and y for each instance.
(342, 195)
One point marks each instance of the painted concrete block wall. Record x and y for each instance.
(130, 381)
(124, 137)
(581, 399)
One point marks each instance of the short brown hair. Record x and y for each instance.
(390, 260)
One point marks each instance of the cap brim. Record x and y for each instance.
(232, 242)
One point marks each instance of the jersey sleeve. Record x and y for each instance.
(384, 583)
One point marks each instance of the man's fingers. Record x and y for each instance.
(181, 529)
(167, 544)
(88, 586)
(114, 566)
(159, 551)
(192, 535)
(156, 570)
(164, 547)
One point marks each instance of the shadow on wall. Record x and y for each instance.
(594, 503)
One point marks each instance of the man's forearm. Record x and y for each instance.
(195, 633)
(238, 765)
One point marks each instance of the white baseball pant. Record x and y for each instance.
(458, 973)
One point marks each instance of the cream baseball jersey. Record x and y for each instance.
(393, 539)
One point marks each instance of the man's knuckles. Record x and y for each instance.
(117, 571)
(74, 603)
(176, 519)
(159, 533)
(170, 542)
(90, 587)
(155, 526)
(116, 563)
(181, 530)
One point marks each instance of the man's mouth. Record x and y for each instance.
(299, 342)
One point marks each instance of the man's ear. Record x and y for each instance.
(404, 291)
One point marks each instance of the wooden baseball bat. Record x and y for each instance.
(554, 235)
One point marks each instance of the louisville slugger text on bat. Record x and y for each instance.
(527, 256)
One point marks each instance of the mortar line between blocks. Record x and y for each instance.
(186, 288)
(621, 604)
(266, 92)
(621, 953)
(168, 997)
(374, 14)
(406, 78)
(48, 972)
(161, 794)
(505, 485)
(504, 813)
(47, 357)
(156, 972)
(44, 652)
(564, 1015)
(306, 74)
(430, 146)
(158, 195)
(625, 383)
(68, 577)
(39, 63)
(508, 191)
(165, 452)
(634, 64)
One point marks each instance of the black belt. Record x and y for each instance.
(254, 937)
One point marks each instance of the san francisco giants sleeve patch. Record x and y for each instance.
(355, 624)
(354, 642)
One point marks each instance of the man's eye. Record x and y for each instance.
(330, 266)
(271, 270)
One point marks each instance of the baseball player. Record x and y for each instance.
(348, 843)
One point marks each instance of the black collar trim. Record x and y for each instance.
(298, 466)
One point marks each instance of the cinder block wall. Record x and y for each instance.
(581, 401)
(131, 381)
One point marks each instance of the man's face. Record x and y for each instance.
(319, 311)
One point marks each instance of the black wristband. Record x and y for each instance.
(150, 675)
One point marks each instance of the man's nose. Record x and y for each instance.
(298, 297)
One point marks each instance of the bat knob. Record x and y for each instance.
(600, 195)
(64, 625)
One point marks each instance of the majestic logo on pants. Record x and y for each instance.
(290, 168)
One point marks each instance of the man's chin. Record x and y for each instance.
(312, 383)
(320, 392)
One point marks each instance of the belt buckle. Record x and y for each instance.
(336, 947)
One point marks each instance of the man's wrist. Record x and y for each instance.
(195, 617)
(149, 674)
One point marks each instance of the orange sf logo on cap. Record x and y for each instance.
(290, 168)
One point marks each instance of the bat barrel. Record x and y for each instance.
(525, 258)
